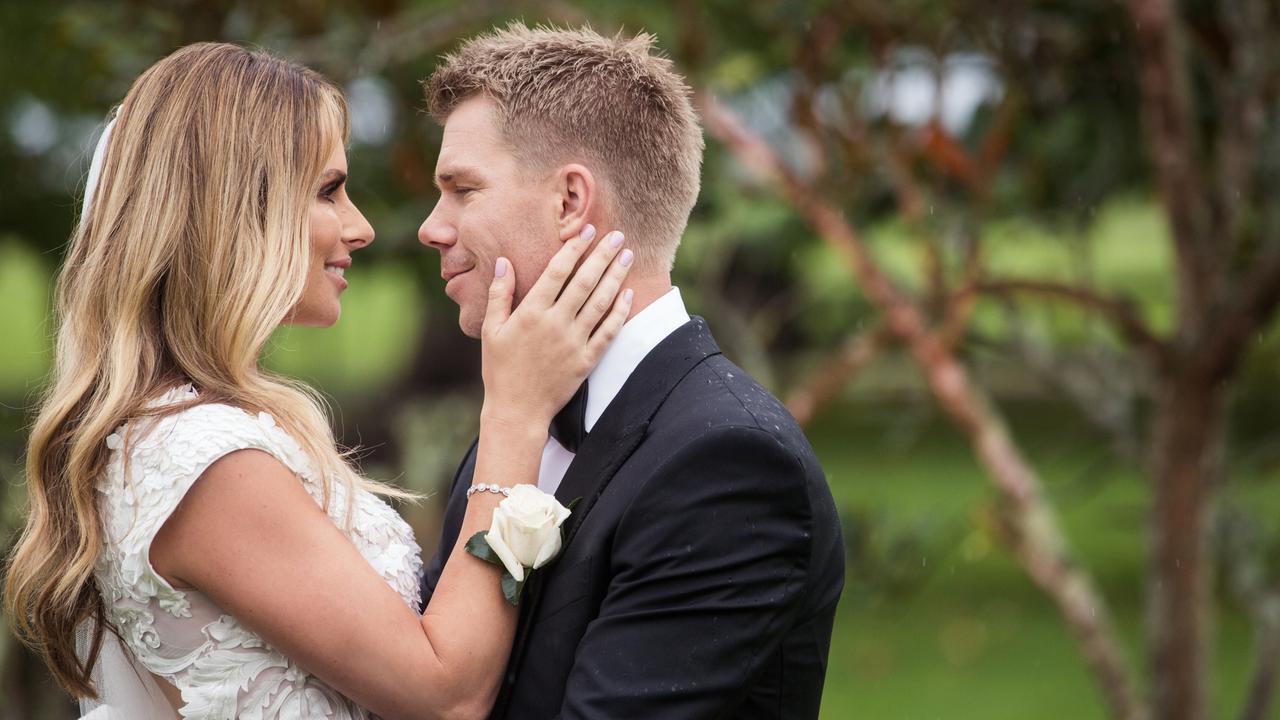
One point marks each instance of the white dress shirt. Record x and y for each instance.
(635, 340)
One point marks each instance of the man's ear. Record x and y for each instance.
(578, 199)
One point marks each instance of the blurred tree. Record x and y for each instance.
(1206, 145)
(956, 155)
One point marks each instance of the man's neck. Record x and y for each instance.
(647, 290)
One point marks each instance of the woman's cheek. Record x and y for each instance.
(325, 229)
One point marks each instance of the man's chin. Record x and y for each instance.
(470, 323)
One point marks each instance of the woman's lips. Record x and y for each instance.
(337, 272)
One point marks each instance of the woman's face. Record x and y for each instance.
(337, 230)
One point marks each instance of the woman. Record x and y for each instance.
(194, 506)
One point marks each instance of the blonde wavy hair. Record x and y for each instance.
(194, 250)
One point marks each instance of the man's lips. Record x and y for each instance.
(448, 275)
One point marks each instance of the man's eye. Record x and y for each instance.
(463, 191)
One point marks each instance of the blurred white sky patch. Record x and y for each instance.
(909, 91)
(766, 110)
(34, 126)
(372, 110)
(914, 87)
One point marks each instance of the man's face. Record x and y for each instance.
(488, 208)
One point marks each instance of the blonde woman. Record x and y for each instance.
(190, 514)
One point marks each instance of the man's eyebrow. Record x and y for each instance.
(455, 174)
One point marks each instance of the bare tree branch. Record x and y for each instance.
(1171, 127)
(1216, 319)
(1097, 383)
(1121, 312)
(819, 389)
(1036, 540)
(1242, 112)
(959, 308)
(404, 37)
(951, 157)
(906, 190)
(996, 142)
(1254, 304)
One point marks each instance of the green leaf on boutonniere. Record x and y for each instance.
(479, 547)
(511, 589)
(573, 504)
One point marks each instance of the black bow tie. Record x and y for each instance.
(569, 426)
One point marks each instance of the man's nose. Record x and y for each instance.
(436, 231)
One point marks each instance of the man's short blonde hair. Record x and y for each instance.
(575, 96)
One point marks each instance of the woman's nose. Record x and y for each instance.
(358, 232)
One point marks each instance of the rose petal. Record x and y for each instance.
(495, 539)
(527, 542)
(549, 550)
(526, 527)
(562, 514)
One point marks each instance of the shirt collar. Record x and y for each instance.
(637, 338)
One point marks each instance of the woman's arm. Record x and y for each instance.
(249, 536)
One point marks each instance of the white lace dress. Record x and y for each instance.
(221, 668)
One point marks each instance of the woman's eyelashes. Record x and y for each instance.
(331, 188)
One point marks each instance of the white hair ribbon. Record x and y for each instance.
(95, 168)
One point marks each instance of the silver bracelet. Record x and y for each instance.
(492, 487)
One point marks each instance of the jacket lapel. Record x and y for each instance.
(614, 438)
(626, 420)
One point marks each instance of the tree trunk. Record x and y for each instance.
(1185, 464)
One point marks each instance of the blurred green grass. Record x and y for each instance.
(965, 635)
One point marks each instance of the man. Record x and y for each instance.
(703, 563)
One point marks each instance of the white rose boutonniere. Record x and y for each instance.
(524, 536)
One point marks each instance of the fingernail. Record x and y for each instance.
(627, 295)
(501, 269)
(615, 238)
(588, 232)
(626, 257)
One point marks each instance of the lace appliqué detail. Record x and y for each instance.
(222, 668)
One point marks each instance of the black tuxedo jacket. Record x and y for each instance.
(701, 568)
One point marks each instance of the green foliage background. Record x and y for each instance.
(937, 621)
